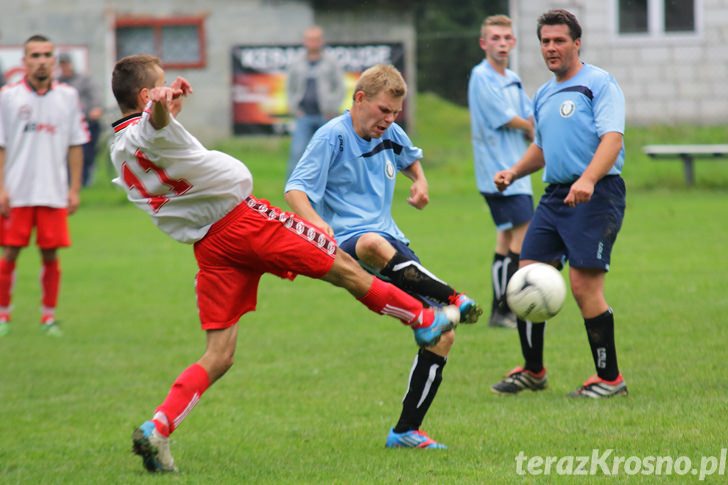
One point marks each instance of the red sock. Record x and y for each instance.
(7, 276)
(50, 281)
(387, 299)
(185, 392)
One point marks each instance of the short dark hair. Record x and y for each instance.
(34, 38)
(559, 16)
(132, 74)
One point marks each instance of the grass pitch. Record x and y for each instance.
(318, 379)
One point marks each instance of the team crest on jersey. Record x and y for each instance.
(567, 108)
(389, 169)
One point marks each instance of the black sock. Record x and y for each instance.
(512, 266)
(425, 378)
(531, 336)
(498, 276)
(413, 278)
(600, 331)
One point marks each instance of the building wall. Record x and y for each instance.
(366, 25)
(228, 22)
(670, 80)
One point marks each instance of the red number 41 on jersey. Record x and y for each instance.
(155, 201)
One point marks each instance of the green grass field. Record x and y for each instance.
(318, 379)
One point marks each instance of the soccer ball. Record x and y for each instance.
(536, 292)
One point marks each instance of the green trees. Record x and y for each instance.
(447, 38)
(447, 43)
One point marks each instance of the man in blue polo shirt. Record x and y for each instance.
(501, 121)
(344, 183)
(580, 116)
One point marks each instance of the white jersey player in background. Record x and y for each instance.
(42, 130)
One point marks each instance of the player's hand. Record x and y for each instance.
(74, 199)
(327, 229)
(4, 203)
(419, 194)
(503, 179)
(96, 113)
(321, 224)
(183, 85)
(581, 191)
(164, 95)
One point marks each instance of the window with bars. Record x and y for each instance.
(178, 41)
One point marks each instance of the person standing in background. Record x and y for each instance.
(42, 130)
(501, 118)
(92, 109)
(315, 90)
(580, 119)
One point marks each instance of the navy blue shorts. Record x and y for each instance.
(582, 235)
(509, 211)
(350, 244)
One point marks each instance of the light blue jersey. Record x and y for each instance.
(350, 180)
(494, 100)
(572, 116)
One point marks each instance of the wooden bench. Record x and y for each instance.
(688, 154)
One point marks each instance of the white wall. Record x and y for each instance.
(677, 79)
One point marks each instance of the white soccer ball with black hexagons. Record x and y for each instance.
(536, 292)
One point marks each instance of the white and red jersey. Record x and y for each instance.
(36, 131)
(170, 175)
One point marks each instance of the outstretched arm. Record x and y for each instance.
(167, 100)
(531, 161)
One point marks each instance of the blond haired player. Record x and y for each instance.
(345, 184)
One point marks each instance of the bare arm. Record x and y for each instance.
(75, 168)
(603, 161)
(167, 100)
(4, 196)
(531, 161)
(419, 191)
(525, 125)
(298, 201)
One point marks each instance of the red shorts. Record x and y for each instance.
(51, 227)
(254, 238)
